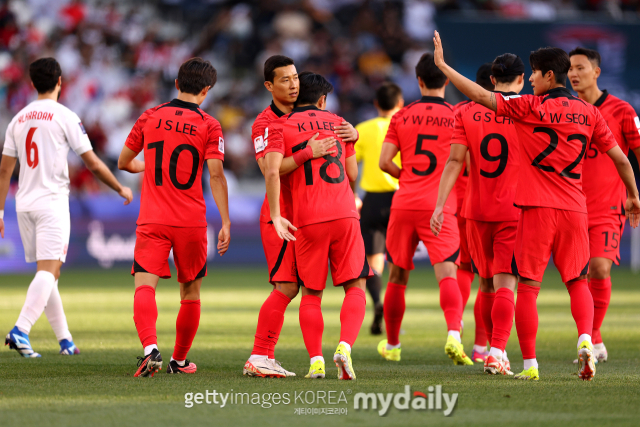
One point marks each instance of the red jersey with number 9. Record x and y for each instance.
(554, 131)
(320, 187)
(422, 131)
(177, 137)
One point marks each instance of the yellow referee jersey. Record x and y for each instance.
(368, 148)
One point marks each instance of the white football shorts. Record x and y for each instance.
(45, 234)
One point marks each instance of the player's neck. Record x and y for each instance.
(285, 107)
(432, 92)
(53, 95)
(590, 94)
(387, 113)
(189, 97)
(506, 88)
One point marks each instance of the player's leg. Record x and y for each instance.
(374, 286)
(351, 318)
(465, 276)
(58, 321)
(373, 226)
(600, 286)
(479, 243)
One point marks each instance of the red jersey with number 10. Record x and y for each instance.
(554, 131)
(422, 132)
(177, 137)
(320, 187)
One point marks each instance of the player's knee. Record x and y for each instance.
(445, 269)
(398, 275)
(486, 285)
(600, 268)
(465, 266)
(289, 289)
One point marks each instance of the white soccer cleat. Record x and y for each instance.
(600, 352)
(262, 367)
(278, 365)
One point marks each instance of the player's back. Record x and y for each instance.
(495, 161)
(177, 137)
(368, 147)
(40, 136)
(422, 131)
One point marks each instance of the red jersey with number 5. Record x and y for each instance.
(177, 137)
(320, 187)
(422, 132)
(554, 131)
(605, 190)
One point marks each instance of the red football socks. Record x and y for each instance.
(601, 292)
(465, 278)
(352, 314)
(186, 327)
(270, 322)
(526, 319)
(581, 306)
(502, 318)
(394, 306)
(451, 303)
(145, 314)
(482, 332)
(486, 305)
(311, 324)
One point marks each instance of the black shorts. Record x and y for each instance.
(374, 219)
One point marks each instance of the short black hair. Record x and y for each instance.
(507, 67)
(45, 73)
(592, 55)
(430, 74)
(553, 59)
(275, 61)
(195, 74)
(483, 76)
(312, 87)
(388, 95)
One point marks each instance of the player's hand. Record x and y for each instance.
(322, 147)
(126, 194)
(632, 207)
(436, 221)
(282, 226)
(2, 228)
(438, 53)
(346, 132)
(358, 204)
(224, 237)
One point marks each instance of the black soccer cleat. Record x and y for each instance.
(188, 368)
(376, 326)
(149, 364)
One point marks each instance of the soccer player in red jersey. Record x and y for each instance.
(604, 190)
(421, 131)
(492, 219)
(177, 137)
(325, 214)
(554, 129)
(281, 79)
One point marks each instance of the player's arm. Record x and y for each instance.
(314, 149)
(351, 165)
(346, 132)
(632, 206)
(128, 162)
(102, 172)
(273, 161)
(455, 163)
(386, 163)
(473, 90)
(7, 166)
(218, 183)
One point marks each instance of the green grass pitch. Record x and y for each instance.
(97, 387)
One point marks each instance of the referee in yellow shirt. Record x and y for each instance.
(379, 188)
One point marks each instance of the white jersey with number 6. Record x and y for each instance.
(40, 136)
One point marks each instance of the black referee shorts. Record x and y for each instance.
(374, 219)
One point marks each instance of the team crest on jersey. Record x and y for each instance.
(221, 144)
(312, 114)
(258, 144)
(565, 103)
(82, 128)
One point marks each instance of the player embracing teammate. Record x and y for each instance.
(555, 130)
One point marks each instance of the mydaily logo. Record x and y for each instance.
(418, 401)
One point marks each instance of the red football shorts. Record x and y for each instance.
(154, 242)
(491, 245)
(339, 242)
(543, 231)
(280, 254)
(407, 228)
(604, 236)
(465, 256)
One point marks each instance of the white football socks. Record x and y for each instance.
(348, 346)
(455, 334)
(55, 315)
(257, 356)
(392, 347)
(149, 348)
(530, 363)
(316, 358)
(584, 337)
(179, 362)
(496, 352)
(480, 348)
(37, 296)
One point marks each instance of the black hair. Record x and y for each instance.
(45, 73)
(195, 74)
(483, 76)
(275, 61)
(592, 55)
(312, 87)
(430, 74)
(507, 67)
(553, 59)
(388, 95)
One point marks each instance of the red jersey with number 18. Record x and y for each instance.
(177, 137)
(554, 131)
(320, 188)
(422, 131)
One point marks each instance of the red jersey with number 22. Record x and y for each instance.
(422, 132)
(554, 131)
(320, 187)
(177, 137)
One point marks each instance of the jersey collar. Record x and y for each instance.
(433, 100)
(178, 103)
(305, 108)
(559, 92)
(505, 93)
(602, 98)
(276, 110)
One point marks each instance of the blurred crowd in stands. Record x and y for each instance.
(119, 58)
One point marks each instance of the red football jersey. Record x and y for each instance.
(554, 131)
(422, 132)
(495, 161)
(177, 137)
(605, 190)
(260, 136)
(320, 188)
(460, 187)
